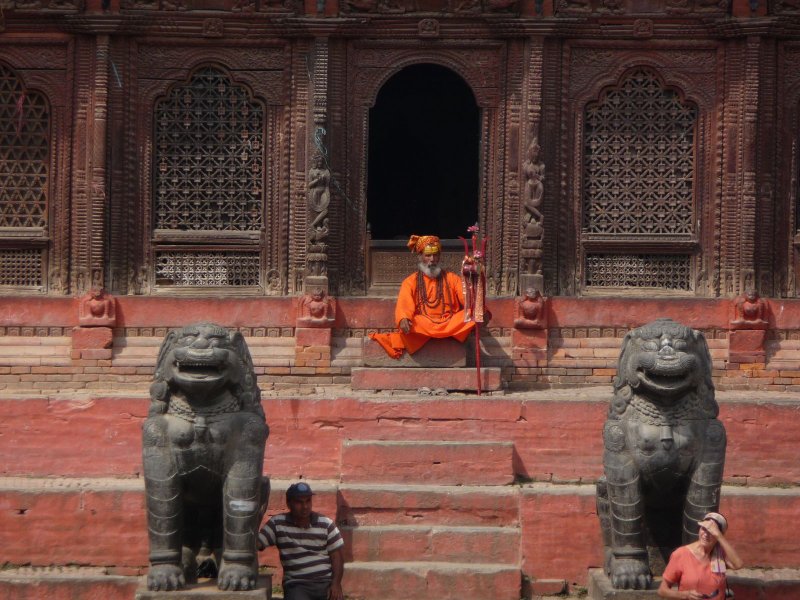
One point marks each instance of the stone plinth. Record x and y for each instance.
(416, 378)
(747, 344)
(600, 589)
(436, 353)
(206, 589)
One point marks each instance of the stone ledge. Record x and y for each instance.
(206, 589)
(436, 353)
(417, 378)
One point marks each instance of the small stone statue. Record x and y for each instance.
(664, 450)
(750, 311)
(530, 311)
(97, 309)
(316, 309)
(203, 450)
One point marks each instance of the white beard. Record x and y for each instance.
(432, 271)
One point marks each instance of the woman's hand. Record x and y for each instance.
(711, 526)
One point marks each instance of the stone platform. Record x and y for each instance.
(206, 589)
(600, 589)
(463, 379)
(444, 353)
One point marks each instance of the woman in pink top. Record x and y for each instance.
(698, 569)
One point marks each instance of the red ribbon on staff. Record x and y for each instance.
(474, 281)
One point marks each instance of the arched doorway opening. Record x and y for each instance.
(423, 165)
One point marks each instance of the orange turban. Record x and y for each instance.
(424, 244)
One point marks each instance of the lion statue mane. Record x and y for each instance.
(203, 452)
(664, 451)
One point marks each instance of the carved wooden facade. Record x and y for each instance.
(199, 147)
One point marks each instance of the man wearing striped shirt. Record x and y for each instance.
(310, 547)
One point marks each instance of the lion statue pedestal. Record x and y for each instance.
(664, 451)
(203, 450)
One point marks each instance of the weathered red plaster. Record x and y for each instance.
(312, 336)
(94, 338)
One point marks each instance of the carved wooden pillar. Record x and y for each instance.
(319, 175)
(89, 173)
(532, 175)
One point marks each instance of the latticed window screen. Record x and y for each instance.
(638, 184)
(24, 181)
(208, 269)
(209, 165)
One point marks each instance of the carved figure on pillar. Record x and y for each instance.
(664, 450)
(533, 219)
(97, 309)
(316, 309)
(203, 451)
(319, 198)
(750, 311)
(530, 311)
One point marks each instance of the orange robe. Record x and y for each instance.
(444, 319)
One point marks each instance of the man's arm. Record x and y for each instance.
(405, 307)
(337, 568)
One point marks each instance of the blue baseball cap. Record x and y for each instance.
(297, 490)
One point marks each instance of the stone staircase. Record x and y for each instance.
(430, 519)
(438, 497)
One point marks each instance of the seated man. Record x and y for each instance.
(430, 303)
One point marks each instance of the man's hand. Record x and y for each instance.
(405, 325)
(335, 592)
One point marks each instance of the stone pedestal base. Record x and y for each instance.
(746, 346)
(417, 378)
(445, 352)
(600, 589)
(206, 589)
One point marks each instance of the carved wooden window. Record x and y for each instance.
(24, 185)
(208, 184)
(639, 221)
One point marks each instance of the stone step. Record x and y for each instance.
(429, 580)
(390, 543)
(460, 379)
(65, 583)
(397, 504)
(747, 584)
(99, 522)
(556, 433)
(93, 583)
(427, 462)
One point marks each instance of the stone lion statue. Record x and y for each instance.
(664, 451)
(203, 451)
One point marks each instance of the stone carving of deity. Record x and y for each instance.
(750, 311)
(316, 309)
(532, 194)
(530, 311)
(97, 309)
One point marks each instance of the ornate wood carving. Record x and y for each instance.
(230, 6)
(319, 176)
(246, 217)
(684, 8)
(34, 117)
(532, 170)
(787, 195)
(592, 69)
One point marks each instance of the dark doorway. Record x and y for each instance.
(424, 140)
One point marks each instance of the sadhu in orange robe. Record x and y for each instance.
(437, 314)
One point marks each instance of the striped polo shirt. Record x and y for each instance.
(303, 552)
